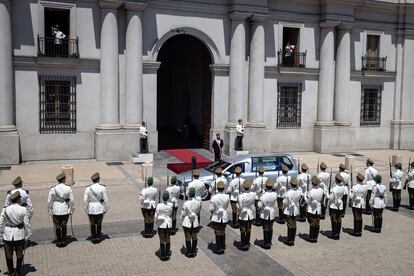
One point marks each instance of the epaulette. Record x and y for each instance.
(26, 191)
(89, 185)
(9, 191)
(102, 184)
(52, 186)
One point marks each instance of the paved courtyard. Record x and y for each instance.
(125, 252)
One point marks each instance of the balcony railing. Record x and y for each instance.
(374, 63)
(57, 47)
(295, 59)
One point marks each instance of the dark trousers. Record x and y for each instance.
(345, 201)
(368, 209)
(238, 145)
(267, 224)
(313, 219)
(291, 221)
(411, 196)
(143, 145)
(164, 235)
(219, 228)
(357, 212)
(96, 225)
(60, 223)
(190, 234)
(396, 198)
(291, 229)
(148, 215)
(336, 221)
(9, 248)
(377, 214)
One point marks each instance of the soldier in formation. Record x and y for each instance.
(25, 200)
(304, 179)
(191, 208)
(217, 178)
(219, 203)
(324, 177)
(258, 188)
(357, 197)
(313, 200)
(410, 185)
(378, 202)
(234, 190)
(291, 210)
(281, 187)
(246, 214)
(148, 205)
(267, 213)
(174, 192)
(369, 175)
(336, 206)
(396, 186)
(163, 214)
(345, 184)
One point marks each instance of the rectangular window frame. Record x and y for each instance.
(371, 116)
(293, 120)
(57, 104)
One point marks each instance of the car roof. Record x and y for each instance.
(242, 157)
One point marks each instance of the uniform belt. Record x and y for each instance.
(62, 200)
(20, 226)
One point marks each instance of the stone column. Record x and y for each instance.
(342, 75)
(109, 66)
(326, 74)
(133, 65)
(6, 70)
(256, 72)
(237, 68)
(9, 139)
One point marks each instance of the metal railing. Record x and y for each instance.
(57, 47)
(289, 59)
(374, 63)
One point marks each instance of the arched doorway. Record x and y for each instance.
(184, 94)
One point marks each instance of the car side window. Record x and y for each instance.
(287, 162)
(268, 163)
(233, 167)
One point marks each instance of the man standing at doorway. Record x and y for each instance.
(239, 135)
(143, 141)
(217, 147)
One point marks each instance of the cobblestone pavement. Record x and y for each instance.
(126, 252)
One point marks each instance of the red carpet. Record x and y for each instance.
(185, 156)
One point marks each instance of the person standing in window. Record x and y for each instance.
(143, 141)
(59, 41)
(239, 135)
(217, 147)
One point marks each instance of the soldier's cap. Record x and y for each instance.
(360, 177)
(173, 179)
(315, 180)
(342, 166)
(269, 184)
(378, 178)
(15, 195)
(304, 167)
(261, 170)
(398, 165)
(218, 171)
(220, 185)
(17, 181)
(237, 170)
(323, 166)
(192, 192)
(60, 177)
(247, 184)
(196, 173)
(95, 176)
(338, 177)
(285, 169)
(165, 196)
(369, 161)
(150, 181)
(294, 182)
(412, 164)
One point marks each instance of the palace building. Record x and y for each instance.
(77, 78)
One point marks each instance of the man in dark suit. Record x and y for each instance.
(217, 147)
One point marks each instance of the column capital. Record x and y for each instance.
(110, 4)
(346, 26)
(329, 24)
(259, 18)
(239, 16)
(135, 6)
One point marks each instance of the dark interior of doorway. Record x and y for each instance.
(184, 94)
(59, 17)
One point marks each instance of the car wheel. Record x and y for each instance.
(206, 193)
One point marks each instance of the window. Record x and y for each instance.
(371, 105)
(372, 60)
(290, 55)
(271, 163)
(57, 104)
(289, 105)
(373, 42)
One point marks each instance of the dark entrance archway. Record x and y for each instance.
(183, 94)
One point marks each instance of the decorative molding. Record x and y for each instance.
(239, 16)
(135, 6)
(110, 4)
(220, 69)
(379, 75)
(151, 67)
(21, 62)
(291, 71)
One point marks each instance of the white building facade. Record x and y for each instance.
(191, 69)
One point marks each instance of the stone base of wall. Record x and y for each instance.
(115, 145)
(9, 148)
(330, 139)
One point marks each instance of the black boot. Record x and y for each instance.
(218, 245)
(290, 237)
(10, 266)
(223, 242)
(151, 230)
(398, 204)
(235, 222)
(162, 252)
(316, 234)
(194, 248)
(311, 234)
(323, 212)
(19, 263)
(411, 203)
(99, 232)
(242, 241)
(270, 237)
(248, 235)
(338, 229)
(188, 246)
(334, 231)
(58, 231)
(356, 227)
(281, 219)
(64, 234)
(174, 227)
(266, 236)
(379, 225)
(93, 232)
(167, 250)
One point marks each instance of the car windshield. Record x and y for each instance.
(218, 164)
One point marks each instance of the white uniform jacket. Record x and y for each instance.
(335, 197)
(369, 175)
(259, 186)
(218, 207)
(324, 181)
(396, 179)
(358, 195)
(95, 199)
(191, 208)
(267, 205)
(143, 132)
(410, 179)
(174, 192)
(345, 182)
(60, 200)
(15, 221)
(234, 188)
(212, 188)
(246, 203)
(198, 185)
(304, 181)
(291, 202)
(147, 198)
(239, 130)
(163, 214)
(282, 185)
(25, 200)
(313, 199)
(379, 197)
